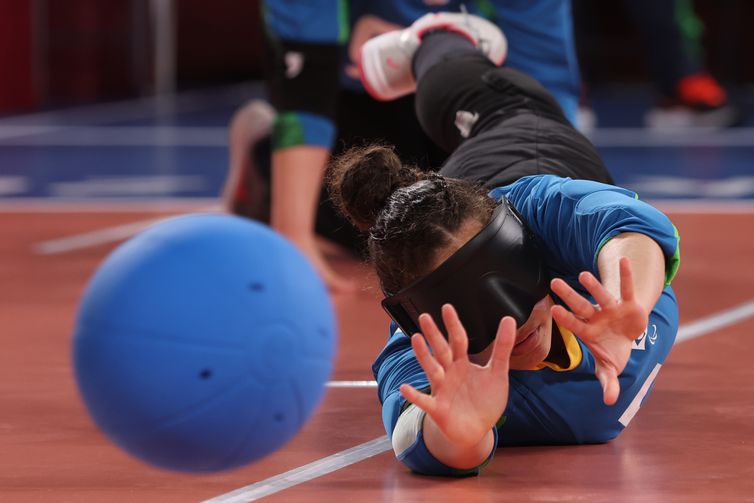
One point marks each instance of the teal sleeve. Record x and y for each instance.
(316, 21)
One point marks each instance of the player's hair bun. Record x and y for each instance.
(362, 179)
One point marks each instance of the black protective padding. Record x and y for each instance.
(315, 88)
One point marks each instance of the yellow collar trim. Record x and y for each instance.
(572, 348)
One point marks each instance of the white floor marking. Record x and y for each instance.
(715, 322)
(113, 136)
(122, 111)
(351, 384)
(702, 206)
(378, 445)
(108, 235)
(733, 187)
(153, 185)
(105, 205)
(95, 238)
(74, 127)
(305, 473)
(698, 137)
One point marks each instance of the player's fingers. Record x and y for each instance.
(440, 348)
(459, 342)
(504, 341)
(595, 288)
(434, 371)
(626, 280)
(422, 400)
(608, 378)
(573, 299)
(568, 320)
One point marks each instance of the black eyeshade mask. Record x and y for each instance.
(499, 272)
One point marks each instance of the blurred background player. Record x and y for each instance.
(318, 105)
(687, 94)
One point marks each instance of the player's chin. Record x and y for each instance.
(531, 350)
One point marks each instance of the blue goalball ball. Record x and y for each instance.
(203, 343)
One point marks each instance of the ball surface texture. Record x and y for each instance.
(203, 343)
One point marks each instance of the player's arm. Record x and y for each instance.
(623, 252)
(449, 426)
(647, 264)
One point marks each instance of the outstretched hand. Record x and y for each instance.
(467, 399)
(607, 328)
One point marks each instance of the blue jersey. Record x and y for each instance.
(572, 220)
(539, 33)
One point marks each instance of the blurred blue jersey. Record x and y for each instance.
(539, 33)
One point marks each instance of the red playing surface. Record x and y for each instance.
(693, 440)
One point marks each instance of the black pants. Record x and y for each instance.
(499, 124)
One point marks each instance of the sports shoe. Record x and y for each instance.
(247, 189)
(385, 65)
(700, 101)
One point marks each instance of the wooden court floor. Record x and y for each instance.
(693, 439)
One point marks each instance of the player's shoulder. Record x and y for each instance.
(547, 185)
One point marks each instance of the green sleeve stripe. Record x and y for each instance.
(687, 21)
(671, 268)
(344, 29)
(486, 9)
(287, 131)
(501, 421)
(599, 250)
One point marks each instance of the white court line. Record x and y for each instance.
(95, 238)
(307, 472)
(715, 322)
(104, 205)
(28, 131)
(111, 234)
(113, 136)
(379, 445)
(121, 111)
(99, 237)
(698, 137)
(351, 384)
(702, 206)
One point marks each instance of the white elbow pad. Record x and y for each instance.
(407, 428)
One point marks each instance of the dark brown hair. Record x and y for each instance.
(409, 214)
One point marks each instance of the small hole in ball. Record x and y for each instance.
(256, 287)
(205, 374)
(278, 417)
